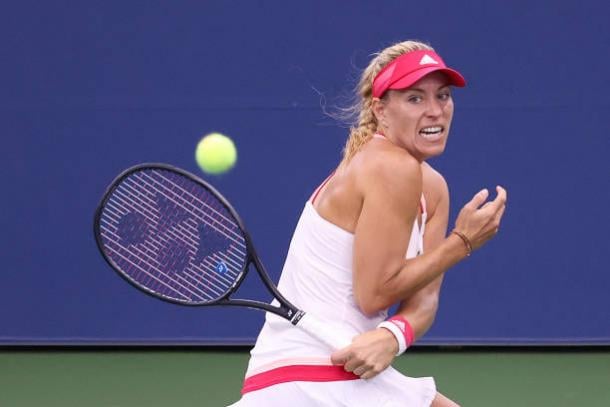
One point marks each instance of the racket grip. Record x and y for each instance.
(320, 330)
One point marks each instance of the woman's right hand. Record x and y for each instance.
(479, 220)
(368, 354)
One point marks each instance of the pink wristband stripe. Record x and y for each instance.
(405, 327)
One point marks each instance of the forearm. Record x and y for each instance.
(418, 272)
(420, 314)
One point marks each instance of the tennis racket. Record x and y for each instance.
(175, 237)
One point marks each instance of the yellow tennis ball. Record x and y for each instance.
(216, 153)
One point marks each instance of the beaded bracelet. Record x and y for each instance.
(465, 240)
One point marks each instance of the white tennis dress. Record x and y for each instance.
(289, 367)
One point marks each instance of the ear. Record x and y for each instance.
(378, 107)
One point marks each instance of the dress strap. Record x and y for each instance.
(317, 191)
(422, 204)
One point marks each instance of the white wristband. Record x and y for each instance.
(398, 334)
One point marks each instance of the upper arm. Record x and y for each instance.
(436, 227)
(391, 194)
(437, 196)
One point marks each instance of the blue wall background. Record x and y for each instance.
(89, 88)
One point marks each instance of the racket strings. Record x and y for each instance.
(192, 209)
(149, 257)
(195, 211)
(193, 281)
(155, 227)
(192, 240)
(214, 222)
(152, 247)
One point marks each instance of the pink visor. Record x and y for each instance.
(408, 68)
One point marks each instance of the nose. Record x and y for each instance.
(433, 107)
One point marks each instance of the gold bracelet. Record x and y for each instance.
(465, 240)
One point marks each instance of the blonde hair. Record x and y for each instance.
(363, 129)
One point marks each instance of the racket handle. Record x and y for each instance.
(319, 330)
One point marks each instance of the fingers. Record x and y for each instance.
(369, 374)
(368, 354)
(498, 203)
(502, 191)
(352, 363)
(341, 356)
(477, 200)
(359, 371)
(345, 358)
(362, 369)
(499, 214)
(499, 206)
(500, 197)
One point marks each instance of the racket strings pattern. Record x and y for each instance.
(166, 233)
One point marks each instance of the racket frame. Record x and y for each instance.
(286, 309)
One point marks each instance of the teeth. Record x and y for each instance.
(432, 133)
(431, 130)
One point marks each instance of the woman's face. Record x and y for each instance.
(418, 118)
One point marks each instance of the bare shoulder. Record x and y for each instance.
(385, 166)
(434, 179)
(435, 187)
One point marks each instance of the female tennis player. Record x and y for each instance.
(372, 235)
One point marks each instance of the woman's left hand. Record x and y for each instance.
(368, 354)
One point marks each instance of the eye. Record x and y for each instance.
(415, 99)
(446, 95)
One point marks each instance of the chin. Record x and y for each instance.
(431, 151)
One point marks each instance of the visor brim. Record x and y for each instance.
(455, 78)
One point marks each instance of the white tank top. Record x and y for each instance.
(317, 278)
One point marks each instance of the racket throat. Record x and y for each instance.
(297, 317)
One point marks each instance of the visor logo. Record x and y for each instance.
(427, 60)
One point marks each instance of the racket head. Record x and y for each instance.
(172, 235)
